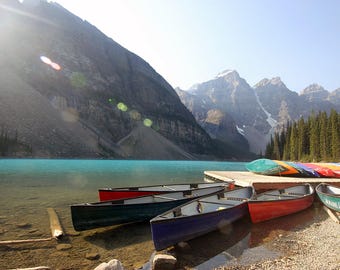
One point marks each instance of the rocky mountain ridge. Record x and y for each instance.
(254, 112)
(67, 90)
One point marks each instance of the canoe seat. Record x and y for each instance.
(220, 203)
(177, 212)
(296, 194)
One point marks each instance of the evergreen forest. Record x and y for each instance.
(313, 140)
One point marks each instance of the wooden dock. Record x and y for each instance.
(264, 182)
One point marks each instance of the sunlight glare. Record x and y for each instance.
(46, 60)
(55, 66)
(49, 62)
(121, 106)
(147, 122)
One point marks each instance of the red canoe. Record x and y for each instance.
(281, 202)
(108, 194)
(323, 170)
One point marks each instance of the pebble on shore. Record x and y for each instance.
(111, 265)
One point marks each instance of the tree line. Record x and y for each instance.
(315, 139)
(10, 145)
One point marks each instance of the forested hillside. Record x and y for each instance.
(314, 139)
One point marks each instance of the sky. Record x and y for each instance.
(191, 41)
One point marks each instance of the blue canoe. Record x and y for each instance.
(199, 217)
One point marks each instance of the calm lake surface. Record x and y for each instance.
(29, 186)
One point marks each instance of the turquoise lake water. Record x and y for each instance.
(114, 171)
(79, 180)
(29, 186)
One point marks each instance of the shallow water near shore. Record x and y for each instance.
(28, 187)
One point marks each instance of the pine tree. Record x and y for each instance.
(314, 138)
(269, 148)
(282, 140)
(276, 149)
(334, 120)
(300, 138)
(293, 143)
(323, 137)
(286, 147)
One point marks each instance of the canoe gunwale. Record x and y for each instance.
(197, 215)
(330, 200)
(289, 196)
(319, 187)
(109, 194)
(229, 206)
(186, 194)
(282, 200)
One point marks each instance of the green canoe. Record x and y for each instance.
(329, 195)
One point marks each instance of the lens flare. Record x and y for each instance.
(55, 66)
(46, 60)
(49, 62)
(135, 115)
(121, 106)
(147, 122)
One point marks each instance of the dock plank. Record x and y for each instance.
(260, 182)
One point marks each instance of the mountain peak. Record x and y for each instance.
(273, 81)
(313, 88)
(276, 81)
(228, 73)
(315, 92)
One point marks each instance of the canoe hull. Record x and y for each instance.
(199, 217)
(86, 217)
(108, 194)
(322, 170)
(265, 210)
(282, 202)
(187, 228)
(332, 201)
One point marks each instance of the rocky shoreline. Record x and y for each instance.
(315, 246)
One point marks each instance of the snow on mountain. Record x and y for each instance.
(271, 121)
(224, 73)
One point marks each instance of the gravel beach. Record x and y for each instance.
(313, 246)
